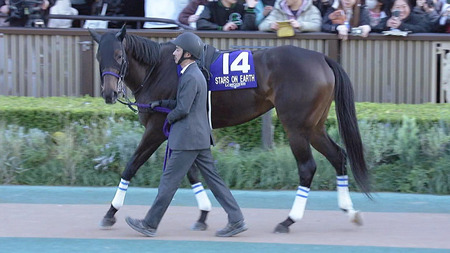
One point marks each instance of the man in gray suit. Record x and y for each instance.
(190, 141)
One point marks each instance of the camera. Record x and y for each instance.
(356, 31)
(396, 13)
(27, 9)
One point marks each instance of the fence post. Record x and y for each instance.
(87, 66)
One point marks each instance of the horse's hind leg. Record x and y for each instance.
(204, 204)
(336, 156)
(300, 146)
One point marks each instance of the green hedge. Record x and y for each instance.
(84, 142)
(54, 113)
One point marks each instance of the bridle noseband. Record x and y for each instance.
(122, 72)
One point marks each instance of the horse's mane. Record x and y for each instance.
(143, 50)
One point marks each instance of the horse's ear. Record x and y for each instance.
(95, 35)
(121, 34)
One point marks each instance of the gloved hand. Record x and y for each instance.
(155, 104)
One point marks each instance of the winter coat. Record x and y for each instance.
(328, 26)
(62, 7)
(309, 19)
(215, 16)
(414, 23)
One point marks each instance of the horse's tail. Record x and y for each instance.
(348, 125)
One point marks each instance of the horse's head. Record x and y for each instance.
(113, 63)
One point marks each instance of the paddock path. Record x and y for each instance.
(64, 219)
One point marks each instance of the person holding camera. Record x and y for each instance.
(426, 8)
(401, 17)
(228, 15)
(347, 17)
(25, 13)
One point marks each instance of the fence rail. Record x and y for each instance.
(44, 62)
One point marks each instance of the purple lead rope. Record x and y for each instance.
(166, 131)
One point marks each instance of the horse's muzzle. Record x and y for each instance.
(110, 98)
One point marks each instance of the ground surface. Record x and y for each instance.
(65, 219)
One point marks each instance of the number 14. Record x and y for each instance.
(239, 64)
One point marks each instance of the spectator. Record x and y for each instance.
(444, 21)
(349, 16)
(188, 15)
(376, 11)
(400, 17)
(323, 6)
(19, 18)
(114, 8)
(134, 8)
(302, 15)
(426, 8)
(263, 9)
(228, 15)
(62, 7)
(84, 7)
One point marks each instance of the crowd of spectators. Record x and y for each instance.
(343, 17)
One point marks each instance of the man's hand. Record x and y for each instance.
(229, 26)
(155, 104)
(251, 3)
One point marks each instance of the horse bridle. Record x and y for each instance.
(122, 72)
(120, 83)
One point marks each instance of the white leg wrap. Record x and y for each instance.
(344, 200)
(298, 208)
(119, 198)
(202, 198)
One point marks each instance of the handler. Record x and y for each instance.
(190, 141)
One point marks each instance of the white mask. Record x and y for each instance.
(371, 4)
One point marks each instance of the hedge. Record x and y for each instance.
(54, 113)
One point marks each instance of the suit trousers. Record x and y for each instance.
(176, 169)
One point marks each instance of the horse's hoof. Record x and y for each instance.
(199, 226)
(280, 229)
(356, 217)
(107, 223)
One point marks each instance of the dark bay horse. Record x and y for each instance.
(300, 84)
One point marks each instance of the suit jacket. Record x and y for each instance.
(190, 129)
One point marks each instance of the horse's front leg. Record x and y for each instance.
(204, 204)
(150, 141)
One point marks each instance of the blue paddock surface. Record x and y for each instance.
(34, 200)
(317, 200)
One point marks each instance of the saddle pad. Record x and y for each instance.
(233, 70)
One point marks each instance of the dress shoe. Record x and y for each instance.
(232, 229)
(140, 226)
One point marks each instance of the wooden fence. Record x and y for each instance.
(44, 62)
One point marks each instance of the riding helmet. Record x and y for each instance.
(191, 43)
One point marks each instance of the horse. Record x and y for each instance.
(299, 83)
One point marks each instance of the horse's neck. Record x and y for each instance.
(153, 83)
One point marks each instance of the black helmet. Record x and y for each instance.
(191, 43)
